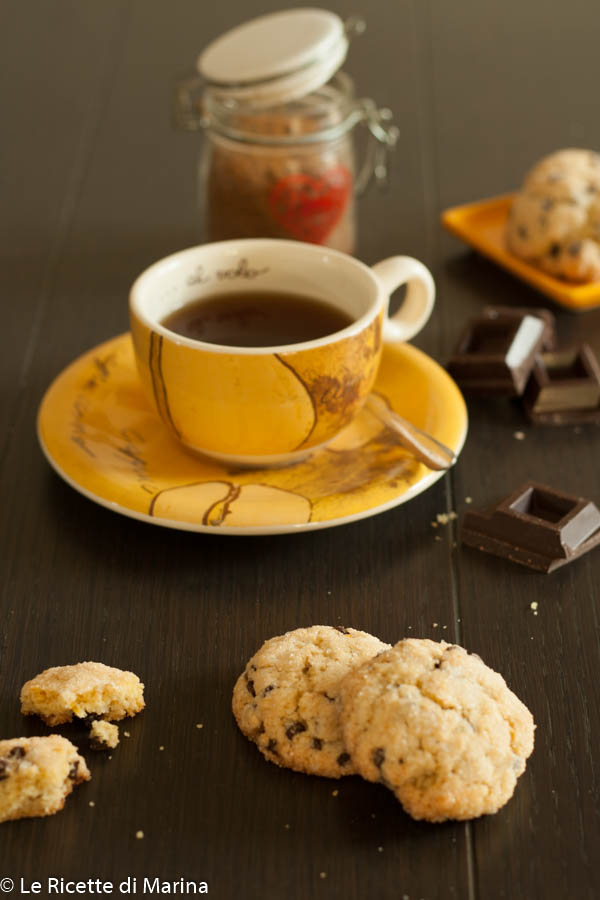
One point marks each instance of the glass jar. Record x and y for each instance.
(284, 169)
(283, 172)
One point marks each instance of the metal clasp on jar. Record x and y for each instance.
(379, 122)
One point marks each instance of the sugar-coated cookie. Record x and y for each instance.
(87, 688)
(438, 727)
(286, 700)
(37, 774)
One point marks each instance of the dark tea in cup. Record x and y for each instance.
(257, 319)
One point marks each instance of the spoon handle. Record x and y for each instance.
(423, 446)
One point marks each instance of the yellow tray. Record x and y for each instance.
(482, 225)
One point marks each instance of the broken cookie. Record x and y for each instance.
(87, 688)
(37, 774)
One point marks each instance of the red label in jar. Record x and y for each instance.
(309, 207)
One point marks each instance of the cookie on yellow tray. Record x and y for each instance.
(554, 221)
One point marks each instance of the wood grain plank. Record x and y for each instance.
(500, 101)
(50, 120)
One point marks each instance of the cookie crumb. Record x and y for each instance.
(334, 793)
(380, 849)
(91, 803)
(126, 734)
(534, 604)
(435, 625)
(322, 874)
(373, 815)
(519, 435)
(139, 835)
(161, 747)
(434, 524)
(437, 537)
(468, 499)
(199, 725)
(444, 518)
(103, 735)
(286, 826)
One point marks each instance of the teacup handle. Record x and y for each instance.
(419, 300)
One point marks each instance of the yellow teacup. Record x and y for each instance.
(269, 405)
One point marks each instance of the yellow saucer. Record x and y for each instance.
(101, 435)
(483, 225)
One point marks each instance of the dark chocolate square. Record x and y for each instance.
(497, 351)
(536, 526)
(564, 388)
(549, 320)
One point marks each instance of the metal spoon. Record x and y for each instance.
(423, 446)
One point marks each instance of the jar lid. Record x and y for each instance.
(276, 58)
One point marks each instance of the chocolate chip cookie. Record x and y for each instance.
(37, 774)
(438, 727)
(286, 700)
(555, 218)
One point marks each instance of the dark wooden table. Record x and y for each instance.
(97, 185)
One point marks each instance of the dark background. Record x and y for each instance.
(97, 185)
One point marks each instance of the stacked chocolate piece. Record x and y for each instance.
(512, 351)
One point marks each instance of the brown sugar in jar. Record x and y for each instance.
(288, 185)
(278, 159)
